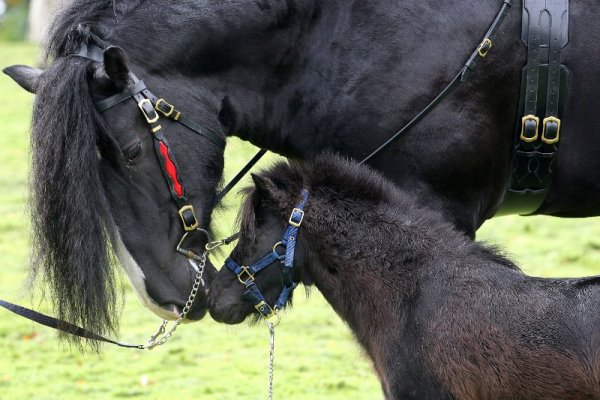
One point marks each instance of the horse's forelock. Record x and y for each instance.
(69, 210)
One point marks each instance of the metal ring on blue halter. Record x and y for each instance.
(268, 321)
(277, 245)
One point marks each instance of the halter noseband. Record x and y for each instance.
(150, 107)
(245, 274)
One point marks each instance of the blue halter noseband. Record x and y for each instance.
(246, 274)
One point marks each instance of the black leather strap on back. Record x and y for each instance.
(479, 53)
(544, 85)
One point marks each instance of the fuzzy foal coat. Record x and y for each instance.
(441, 317)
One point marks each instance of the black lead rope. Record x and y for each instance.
(238, 177)
(62, 325)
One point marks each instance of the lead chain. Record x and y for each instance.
(154, 340)
(271, 357)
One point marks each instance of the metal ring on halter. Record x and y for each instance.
(272, 324)
(189, 253)
(276, 245)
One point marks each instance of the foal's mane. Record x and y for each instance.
(70, 213)
(359, 209)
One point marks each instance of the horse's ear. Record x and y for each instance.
(27, 77)
(116, 66)
(263, 185)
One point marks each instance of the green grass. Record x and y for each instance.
(316, 357)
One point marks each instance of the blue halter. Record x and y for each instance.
(246, 274)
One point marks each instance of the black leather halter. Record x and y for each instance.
(150, 104)
(150, 107)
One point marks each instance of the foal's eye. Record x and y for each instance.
(132, 152)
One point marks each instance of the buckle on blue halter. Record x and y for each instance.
(265, 309)
(249, 276)
(296, 217)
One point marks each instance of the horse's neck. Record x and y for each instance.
(364, 69)
(329, 90)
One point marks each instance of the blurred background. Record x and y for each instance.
(316, 356)
(26, 19)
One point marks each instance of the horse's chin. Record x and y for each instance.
(168, 310)
(229, 316)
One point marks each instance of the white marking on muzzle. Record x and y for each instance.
(138, 281)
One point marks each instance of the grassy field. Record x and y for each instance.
(316, 357)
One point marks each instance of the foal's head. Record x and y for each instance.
(344, 199)
(264, 218)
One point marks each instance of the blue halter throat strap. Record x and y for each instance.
(246, 274)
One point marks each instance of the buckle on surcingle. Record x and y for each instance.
(529, 128)
(551, 130)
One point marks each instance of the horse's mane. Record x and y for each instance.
(70, 214)
(79, 22)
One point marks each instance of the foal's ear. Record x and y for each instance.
(27, 77)
(116, 66)
(263, 185)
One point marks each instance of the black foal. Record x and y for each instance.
(440, 316)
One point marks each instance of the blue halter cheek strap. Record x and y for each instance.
(246, 274)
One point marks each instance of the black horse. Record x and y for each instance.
(441, 316)
(295, 77)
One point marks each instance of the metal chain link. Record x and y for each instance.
(271, 356)
(154, 340)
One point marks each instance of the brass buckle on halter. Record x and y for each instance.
(291, 221)
(170, 107)
(484, 47)
(193, 224)
(529, 124)
(146, 107)
(250, 277)
(265, 310)
(547, 121)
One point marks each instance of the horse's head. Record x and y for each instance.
(256, 277)
(103, 184)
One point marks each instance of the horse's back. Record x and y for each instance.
(502, 334)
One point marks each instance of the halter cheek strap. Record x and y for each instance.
(245, 274)
(152, 108)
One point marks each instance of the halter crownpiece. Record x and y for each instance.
(245, 274)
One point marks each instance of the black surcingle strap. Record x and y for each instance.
(544, 86)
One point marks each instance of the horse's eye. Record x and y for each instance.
(132, 152)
